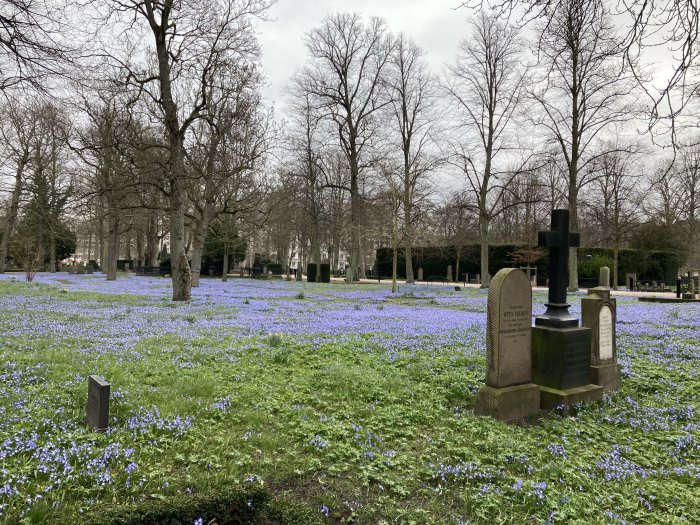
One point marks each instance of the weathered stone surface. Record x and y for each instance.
(508, 329)
(449, 273)
(508, 403)
(551, 398)
(561, 357)
(98, 403)
(607, 376)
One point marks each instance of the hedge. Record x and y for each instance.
(648, 265)
(232, 506)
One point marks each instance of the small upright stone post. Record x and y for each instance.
(420, 273)
(599, 313)
(509, 393)
(98, 403)
(449, 273)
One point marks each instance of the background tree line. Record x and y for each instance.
(151, 132)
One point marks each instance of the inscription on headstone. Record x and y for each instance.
(605, 332)
(98, 403)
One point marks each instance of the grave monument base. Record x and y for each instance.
(561, 357)
(509, 403)
(551, 398)
(607, 376)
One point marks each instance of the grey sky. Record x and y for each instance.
(433, 24)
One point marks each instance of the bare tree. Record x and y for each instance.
(413, 95)
(486, 83)
(191, 43)
(615, 201)
(348, 61)
(583, 91)
(18, 135)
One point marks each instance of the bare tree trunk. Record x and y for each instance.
(198, 239)
(484, 234)
(152, 239)
(52, 252)
(573, 226)
(395, 265)
(112, 244)
(224, 272)
(180, 267)
(11, 219)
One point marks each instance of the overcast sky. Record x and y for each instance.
(434, 24)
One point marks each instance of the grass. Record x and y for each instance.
(350, 400)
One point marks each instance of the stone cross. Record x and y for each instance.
(558, 240)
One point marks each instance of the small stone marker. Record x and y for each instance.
(90, 268)
(98, 403)
(449, 273)
(599, 312)
(80, 269)
(509, 393)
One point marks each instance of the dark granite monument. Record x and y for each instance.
(509, 393)
(98, 403)
(561, 349)
(599, 313)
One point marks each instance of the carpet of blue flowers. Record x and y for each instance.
(351, 399)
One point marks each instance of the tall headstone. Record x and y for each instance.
(420, 273)
(561, 349)
(90, 268)
(509, 393)
(98, 403)
(449, 273)
(599, 313)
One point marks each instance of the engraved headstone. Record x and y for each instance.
(509, 393)
(98, 403)
(598, 312)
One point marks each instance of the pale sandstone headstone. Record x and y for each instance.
(449, 273)
(508, 328)
(420, 273)
(509, 393)
(598, 312)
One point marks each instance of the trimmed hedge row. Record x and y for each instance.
(227, 507)
(648, 265)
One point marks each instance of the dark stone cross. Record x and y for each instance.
(558, 240)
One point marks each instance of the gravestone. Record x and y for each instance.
(631, 280)
(80, 268)
(509, 393)
(90, 268)
(449, 273)
(561, 349)
(127, 267)
(98, 403)
(599, 313)
(420, 273)
(71, 268)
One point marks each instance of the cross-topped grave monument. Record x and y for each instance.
(561, 349)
